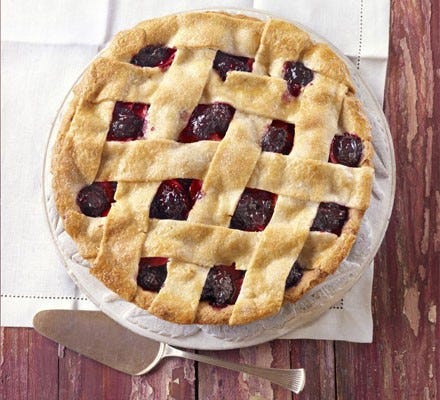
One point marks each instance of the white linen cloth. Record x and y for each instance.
(45, 46)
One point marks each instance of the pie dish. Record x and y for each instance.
(213, 166)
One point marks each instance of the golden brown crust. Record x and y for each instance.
(301, 180)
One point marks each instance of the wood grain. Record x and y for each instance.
(83, 379)
(216, 383)
(14, 363)
(404, 362)
(42, 367)
(317, 358)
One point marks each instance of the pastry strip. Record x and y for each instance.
(263, 287)
(124, 234)
(180, 305)
(229, 170)
(309, 180)
(172, 106)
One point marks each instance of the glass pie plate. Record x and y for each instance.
(291, 316)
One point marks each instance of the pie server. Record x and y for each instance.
(98, 337)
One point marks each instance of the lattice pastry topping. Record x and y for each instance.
(213, 166)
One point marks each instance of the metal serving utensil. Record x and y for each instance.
(98, 337)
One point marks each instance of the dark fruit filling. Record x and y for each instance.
(207, 122)
(128, 121)
(154, 56)
(175, 198)
(95, 200)
(295, 275)
(152, 273)
(330, 217)
(222, 285)
(297, 76)
(278, 138)
(254, 210)
(171, 201)
(346, 149)
(194, 188)
(223, 63)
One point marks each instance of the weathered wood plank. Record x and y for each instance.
(173, 378)
(404, 360)
(281, 359)
(14, 363)
(82, 379)
(79, 378)
(42, 367)
(317, 358)
(217, 383)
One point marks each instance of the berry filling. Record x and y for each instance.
(95, 200)
(254, 210)
(224, 62)
(295, 275)
(194, 188)
(152, 273)
(330, 217)
(127, 121)
(346, 149)
(222, 285)
(278, 137)
(154, 56)
(297, 76)
(207, 122)
(175, 198)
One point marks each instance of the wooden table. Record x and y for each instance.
(404, 360)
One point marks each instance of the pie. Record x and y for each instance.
(211, 166)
